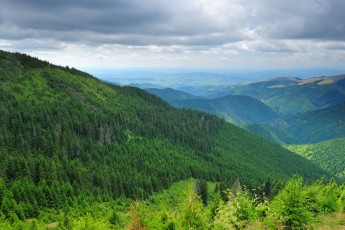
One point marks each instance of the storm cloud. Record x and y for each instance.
(196, 25)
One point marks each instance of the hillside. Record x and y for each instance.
(271, 133)
(66, 137)
(318, 125)
(309, 127)
(292, 95)
(236, 109)
(330, 155)
(171, 95)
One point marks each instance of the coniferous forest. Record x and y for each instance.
(78, 153)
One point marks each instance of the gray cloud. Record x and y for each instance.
(308, 19)
(308, 28)
(151, 21)
(163, 22)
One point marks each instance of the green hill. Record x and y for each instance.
(236, 109)
(318, 125)
(271, 133)
(309, 127)
(64, 134)
(330, 155)
(171, 95)
(292, 95)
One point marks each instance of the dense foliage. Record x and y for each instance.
(67, 139)
(309, 127)
(237, 109)
(271, 133)
(329, 155)
(296, 205)
(318, 125)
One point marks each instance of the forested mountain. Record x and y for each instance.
(171, 95)
(66, 137)
(318, 125)
(309, 127)
(292, 95)
(236, 109)
(271, 133)
(329, 155)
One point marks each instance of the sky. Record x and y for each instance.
(234, 34)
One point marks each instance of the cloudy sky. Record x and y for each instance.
(264, 34)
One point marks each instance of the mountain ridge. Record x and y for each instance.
(237, 109)
(290, 96)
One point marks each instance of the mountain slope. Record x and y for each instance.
(309, 127)
(65, 134)
(292, 95)
(330, 155)
(271, 133)
(234, 108)
(318, 125)
(171, 95)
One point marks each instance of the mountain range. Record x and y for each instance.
(237, 109)
(283, 110)
(62, 126)
(290, 96)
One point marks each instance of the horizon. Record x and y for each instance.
(264, 35)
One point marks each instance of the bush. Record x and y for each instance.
(290, 207)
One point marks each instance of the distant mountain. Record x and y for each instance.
(317, 125)
(309, 127)
(171, 95)
(292, 95)
(329, 155)
(195, 81)
(237, 109)
(146, 85)
(271, 133)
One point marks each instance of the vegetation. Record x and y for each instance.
(236, 109)
(328, 154)
(271, 133)
(318, 125)
(171, 95)
(74, 149)
(309, 127)
(290, 96)
(297, 205)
